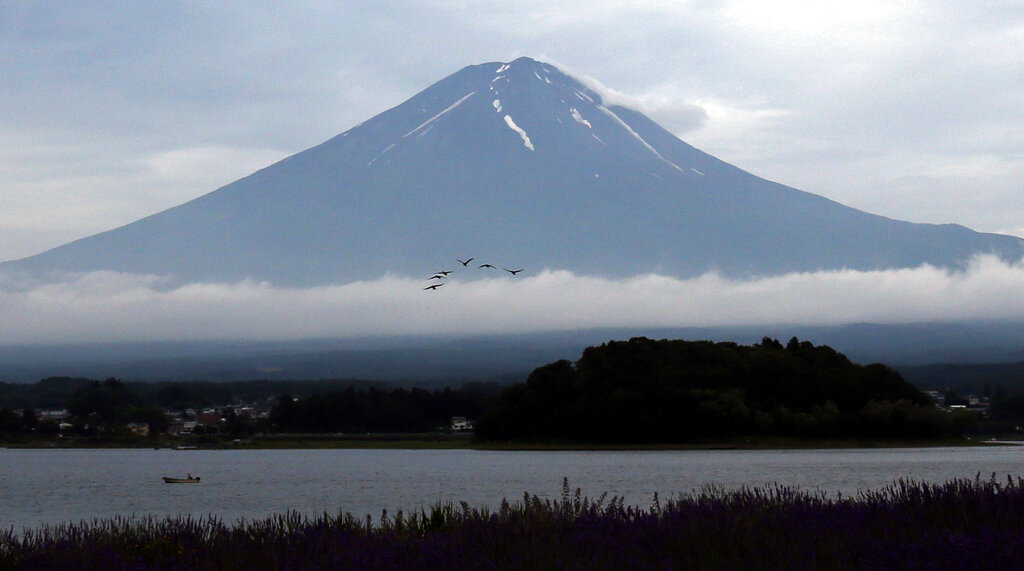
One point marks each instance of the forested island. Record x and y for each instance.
(634, 392)
(643, 390)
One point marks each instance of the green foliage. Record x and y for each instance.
(51, 392)
(643, 390)
(107, 400)
(1009, 408)
(376, 410)
(28, 419)
(56, 392)
(10, 421)
(103, 407)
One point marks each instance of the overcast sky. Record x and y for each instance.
(110, 111)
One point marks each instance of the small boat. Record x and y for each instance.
(189, 480)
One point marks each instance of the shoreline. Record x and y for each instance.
(445, 441)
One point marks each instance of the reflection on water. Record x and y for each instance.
(51, 486)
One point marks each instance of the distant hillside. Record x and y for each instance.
(441, 360)
(643, 390)
(972, 378)
(57, 392)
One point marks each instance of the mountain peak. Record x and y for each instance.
(520, 164)
(522, 64)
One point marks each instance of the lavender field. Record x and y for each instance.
(49, 487)
(960, 524)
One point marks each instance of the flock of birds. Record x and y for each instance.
(443, 274)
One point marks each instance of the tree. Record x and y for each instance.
(48, 428)
(284, 417)
(237, 424)
(643, 390)
(175, 396)
(952, 399)
(106, 400)
(769, 343)
(10, 422)
(29, 420)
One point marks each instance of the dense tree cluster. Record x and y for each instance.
(376, 410)
(56, 392)
(52, 392)
(644, 390)
(25, 421)
(107, 406)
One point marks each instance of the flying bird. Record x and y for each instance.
(466, 263)
(487, 266)
(437, 277)
(513, 272)
(443, 273)
(435, 286)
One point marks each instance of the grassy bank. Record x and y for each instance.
(963, 524)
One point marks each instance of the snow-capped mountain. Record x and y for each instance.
(515, 164)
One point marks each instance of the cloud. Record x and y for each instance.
(206, 167)
(105, 306)
(608, 95)
(41, 207)
(820, 19)
(665, 104)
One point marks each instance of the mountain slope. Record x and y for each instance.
(515, 164)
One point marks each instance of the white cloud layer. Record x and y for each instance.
(103, 306)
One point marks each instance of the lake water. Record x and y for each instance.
(52, 486)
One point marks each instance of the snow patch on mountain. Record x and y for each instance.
(584, 97)
(579, 118)
(512, 125)
(381, 154)
(637, 136)
(428, 122)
